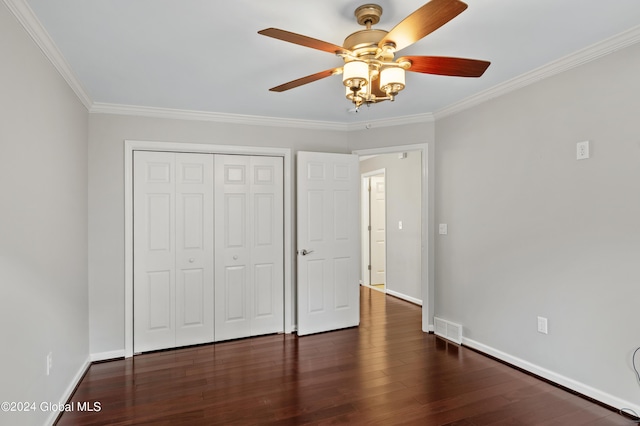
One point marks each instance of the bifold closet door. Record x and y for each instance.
(173, 250)
(249, 291)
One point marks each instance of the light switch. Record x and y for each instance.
(442, 229)
(400, 224)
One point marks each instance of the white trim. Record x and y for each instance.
(32, 25)
(426, 117)
(129, 147)
(69, 391)
(181, 114)
(104, 356)
(568, 62)
(552, 376)
(404, 297)
(426, 258)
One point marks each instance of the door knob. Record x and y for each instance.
(192, 260)
(235, 257)
(305, 252)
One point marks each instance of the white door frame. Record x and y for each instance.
(364, 233)
(132, 145)
(427, 275)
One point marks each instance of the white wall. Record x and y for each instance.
(43, 227)
(403, 195)
(106, 199)
(534, 232)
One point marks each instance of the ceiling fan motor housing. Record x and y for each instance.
(368, 14)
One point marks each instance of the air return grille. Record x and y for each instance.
(448, 330)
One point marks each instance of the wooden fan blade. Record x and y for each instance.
(305, 80)
(302, 40)
(422, 22)
(442, 65)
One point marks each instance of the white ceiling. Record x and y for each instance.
(207, 56)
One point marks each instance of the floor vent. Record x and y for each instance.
(448, 330)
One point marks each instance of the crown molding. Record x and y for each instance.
(181, 114)
(178, 114)
(388, 122)
(568, 62)
(27, 18)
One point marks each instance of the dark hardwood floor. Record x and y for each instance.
(387, 371)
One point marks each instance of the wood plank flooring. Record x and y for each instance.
(385, 372)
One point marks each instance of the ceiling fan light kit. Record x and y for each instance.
(370, 73)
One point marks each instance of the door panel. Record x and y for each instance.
(232, 254)
(267, 245)
(173, 250)
(154, 251)
(235, 296)
(193, 300)
(158, 300)
(328, 229)
(249, 213)
(194, 249)
(378, 231)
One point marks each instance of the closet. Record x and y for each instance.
(208, 248)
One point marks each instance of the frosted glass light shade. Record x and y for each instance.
(392, 79)
(355, 74)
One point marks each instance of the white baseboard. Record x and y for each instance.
(404, 297)
(554, 377)
(69, 391)
(103, 356)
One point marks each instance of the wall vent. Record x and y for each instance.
(448, 330)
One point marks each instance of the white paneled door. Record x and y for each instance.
(208, 248)
(173, 250)
(378, 233)
(328, 241)
(249, 290)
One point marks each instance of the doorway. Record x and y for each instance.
(408, 240)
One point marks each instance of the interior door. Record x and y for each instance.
(328, 241)
(194, 249)
(249, 277)
(378, 232)
(173, 250)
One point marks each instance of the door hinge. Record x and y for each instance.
(369, 228)
(369, 267)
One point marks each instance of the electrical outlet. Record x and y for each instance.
(543, 325)
(582, 150)
(49, 362)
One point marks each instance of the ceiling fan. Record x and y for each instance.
(370, 72)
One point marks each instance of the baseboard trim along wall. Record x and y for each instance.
(105, 356)
(404, 297)
(573, 385)
(53, 416)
